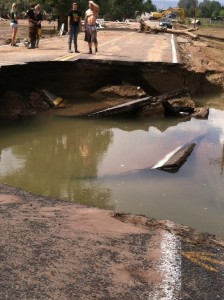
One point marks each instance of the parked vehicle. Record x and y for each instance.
(178, 12)
(171, 16)
(166, 23)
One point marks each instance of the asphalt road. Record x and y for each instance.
(113, 45)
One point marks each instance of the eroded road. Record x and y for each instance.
(113, 45)
(56, 250)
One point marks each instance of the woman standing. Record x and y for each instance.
(13, 15)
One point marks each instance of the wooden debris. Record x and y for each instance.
(123, 108)
(156, 29)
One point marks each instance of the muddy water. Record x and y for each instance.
(94, 162)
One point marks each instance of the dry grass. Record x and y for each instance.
(48, 29)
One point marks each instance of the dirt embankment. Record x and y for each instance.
(201, 48)
(205, 54)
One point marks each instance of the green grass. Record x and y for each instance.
(213, 24)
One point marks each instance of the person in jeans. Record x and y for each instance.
(13, 15)
(74, 26)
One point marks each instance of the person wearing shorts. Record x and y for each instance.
(13, 15)
(90, 26)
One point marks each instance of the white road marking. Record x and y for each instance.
(170, 267)
(174, 52)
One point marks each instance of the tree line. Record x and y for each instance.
(109, 9)
(114, 9)
(204, 9)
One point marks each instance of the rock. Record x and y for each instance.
(120, 91)
(184, 101)
(154, 110)
(201, 112)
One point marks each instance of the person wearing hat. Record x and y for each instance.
(90, 26)
(74, 26)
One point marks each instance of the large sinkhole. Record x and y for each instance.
(110, 162)
(78, 79)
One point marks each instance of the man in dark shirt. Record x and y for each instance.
(32, 26)
(39, 18)
(74, 26)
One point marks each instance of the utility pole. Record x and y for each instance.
(195, 11)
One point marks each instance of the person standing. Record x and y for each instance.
(32, 26)
(13, 15)
(74, 26)
(39, 18)
(90, 26)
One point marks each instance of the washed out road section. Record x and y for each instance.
(113, 45)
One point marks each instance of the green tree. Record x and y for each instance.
(208, 7)
(148, 6)
(109, 9)
(221, 13)
(189, 6)
(123, 9)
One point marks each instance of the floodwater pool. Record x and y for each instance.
(106, 163)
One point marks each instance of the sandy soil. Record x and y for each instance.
(202, 52)
(205, 53)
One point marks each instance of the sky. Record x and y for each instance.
(164, 4)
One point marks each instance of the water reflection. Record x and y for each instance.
(83, 160)
(47, 159)
(10, 163)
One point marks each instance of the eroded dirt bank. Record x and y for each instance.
(200, 69)
(58, 78)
